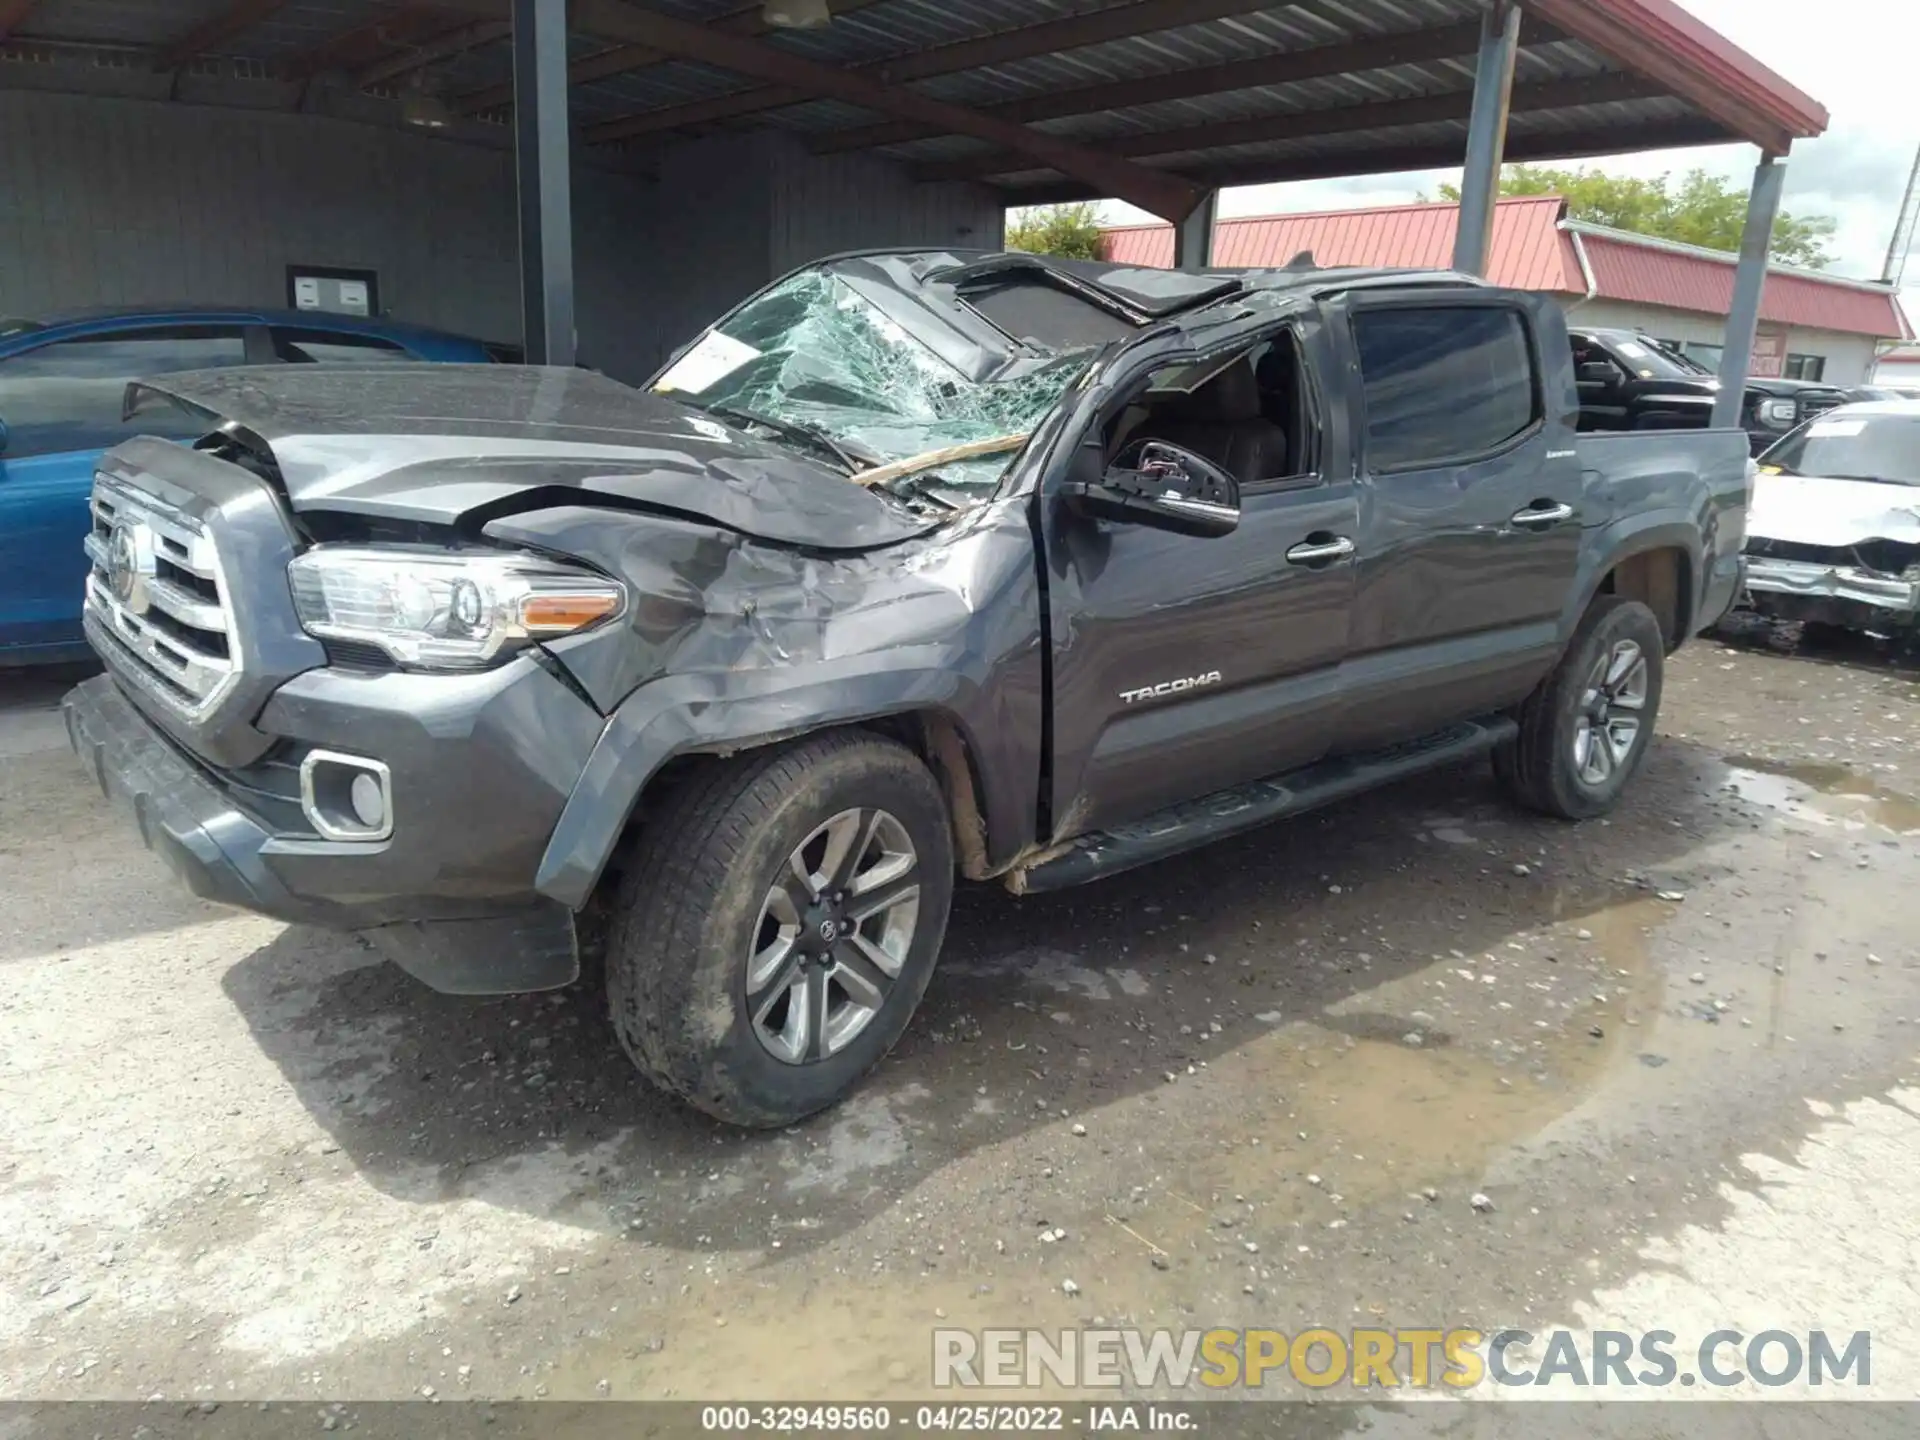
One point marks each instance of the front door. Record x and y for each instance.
(1182, 666)
(61, 406)
(1470, 512)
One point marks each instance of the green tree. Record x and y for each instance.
(1070, 231)
(1696, 208)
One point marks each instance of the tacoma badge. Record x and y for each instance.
(1171, 687)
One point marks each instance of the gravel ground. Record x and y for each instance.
(1258, 1085)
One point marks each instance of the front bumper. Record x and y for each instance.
(1850, 593)
(450, 894)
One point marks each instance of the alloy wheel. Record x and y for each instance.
(1611, 713)
(834, 931)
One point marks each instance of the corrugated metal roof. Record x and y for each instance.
(1532, 250)
(1587, 42)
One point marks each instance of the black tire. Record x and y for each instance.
(1539, 766)
(690, 910)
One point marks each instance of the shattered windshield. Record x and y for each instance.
(814, 358)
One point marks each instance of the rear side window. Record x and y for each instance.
(67, 395)
(1443, 383)
(322, 347)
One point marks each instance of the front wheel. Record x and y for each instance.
(780, 924)
(1586, 729)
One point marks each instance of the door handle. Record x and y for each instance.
(1541, 519)
(1311, 553)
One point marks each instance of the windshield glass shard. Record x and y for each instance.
(812, 353)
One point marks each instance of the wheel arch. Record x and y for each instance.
(1655, 559)
(1661, 578)
(639, 753)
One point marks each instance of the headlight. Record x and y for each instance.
(440, 611)
(1779, 412)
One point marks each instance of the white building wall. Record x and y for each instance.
(111, 200)
(1900, 367)
(1850, 358)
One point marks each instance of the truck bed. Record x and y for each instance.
(1637, 473)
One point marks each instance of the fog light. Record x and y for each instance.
(346, 797)
(369, 805)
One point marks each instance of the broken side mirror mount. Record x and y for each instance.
(1164, 487)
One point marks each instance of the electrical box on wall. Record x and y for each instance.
(333, 290)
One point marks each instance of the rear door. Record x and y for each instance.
(1469, 508)
(1183, 666)
(61, 405)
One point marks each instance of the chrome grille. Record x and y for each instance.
(156, 594)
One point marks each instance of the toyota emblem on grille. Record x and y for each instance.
(129, 565)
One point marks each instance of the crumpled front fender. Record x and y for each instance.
(731, 645)
(722, 714)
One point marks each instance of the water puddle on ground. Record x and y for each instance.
(1194, 1206)
(1242, 1172)
(1823, 794)
(1483, 1077)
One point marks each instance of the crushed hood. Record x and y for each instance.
(431, 443)
(1813, 510)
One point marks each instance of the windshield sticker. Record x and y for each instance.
(713, 357)
(1633, 351)
(1833, 429)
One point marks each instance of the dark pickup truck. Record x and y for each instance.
(916, 567)
(1628, 381)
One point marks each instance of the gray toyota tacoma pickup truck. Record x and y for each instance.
(916, 567)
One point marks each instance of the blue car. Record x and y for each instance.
(62, 381)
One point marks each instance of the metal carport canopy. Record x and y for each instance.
(1157, 102)
(1161, 101)
(1151, 101)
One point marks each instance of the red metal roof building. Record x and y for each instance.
(1676, 292)
(1529, 250)
(1900, 366)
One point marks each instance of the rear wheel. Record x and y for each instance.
(780, 924)
(1585, 731)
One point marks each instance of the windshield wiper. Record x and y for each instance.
(924, 485)
(795, 429)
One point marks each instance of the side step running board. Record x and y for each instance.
(1230, 812)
